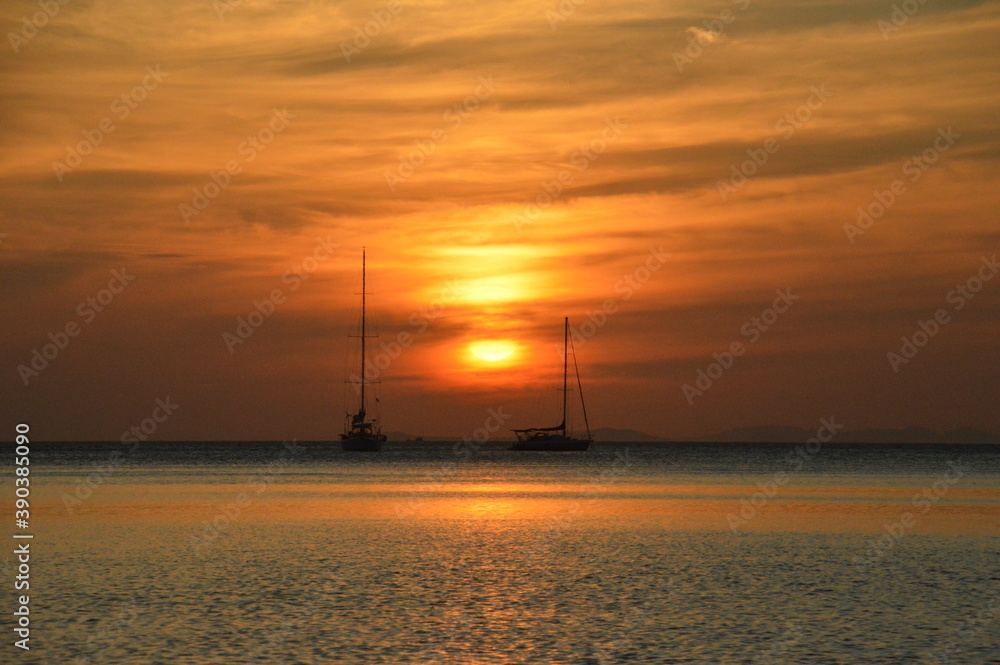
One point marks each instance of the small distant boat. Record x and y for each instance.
(557, 438)
(360, 433)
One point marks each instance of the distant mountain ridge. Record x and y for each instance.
(400, 436)
(778, 434)
(612, 434)
(772, 434)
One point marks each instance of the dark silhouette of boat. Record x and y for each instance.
(557, 438)
(360, 433)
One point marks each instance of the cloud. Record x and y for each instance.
(452, 218)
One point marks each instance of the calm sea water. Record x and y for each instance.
(630, 553)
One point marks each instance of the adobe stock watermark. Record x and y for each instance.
(914, 169)
(615, 649)
(752, 330)
(337, 579)
(796, 460)
(958, 298)
(901, 13)
(561, 11)
(87, 310)
(108, 633)
(786, 128)
(214, 529)
(294, 277)
(163, 408)
(467, 445)
(223, 7)
(248, 150)
(964, 633)
(30, 25)
(775, 652)
(463, 448)
(121, 108)
(420, 320)
(363, 35)
(580, 159)
(453, 116)
(922, 503)
(453, 631)
(626, 287)
(699, 38)
(598, 486)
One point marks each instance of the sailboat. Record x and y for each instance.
(360, 433)
(557, 438)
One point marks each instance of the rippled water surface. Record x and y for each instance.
(630, 553)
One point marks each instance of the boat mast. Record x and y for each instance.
(565, 369)
(579, 386)
(362, 411)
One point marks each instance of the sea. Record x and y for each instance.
(469, 553)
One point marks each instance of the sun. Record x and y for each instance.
(493, 350)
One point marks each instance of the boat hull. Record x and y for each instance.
(552, 444)
(557, 438)
(361, 444)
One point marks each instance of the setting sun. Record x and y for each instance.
(493, 350)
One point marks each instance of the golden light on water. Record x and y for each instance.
(800, 509)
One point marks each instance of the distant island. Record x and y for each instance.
(403, 436)
(781, 434)
(907, 435)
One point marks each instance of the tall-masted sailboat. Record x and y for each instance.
(557, 438)
(360, 433)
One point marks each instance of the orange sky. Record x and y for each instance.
(511, 165)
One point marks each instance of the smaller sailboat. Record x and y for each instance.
(362, 434)
(557, 438)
